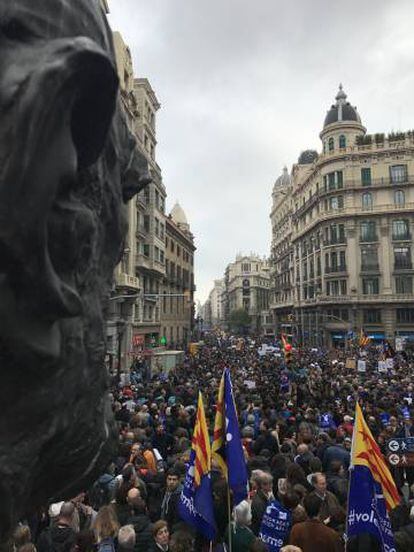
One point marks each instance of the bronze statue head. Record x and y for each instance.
(68, 164)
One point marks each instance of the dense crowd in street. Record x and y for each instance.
(296, 424)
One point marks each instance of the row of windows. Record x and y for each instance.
(370, 286)
(159, 229)
(367, 199)
(145, 249)
(334, 234)
(400, 230)
(335, 203)
(247, 267)
(398, 174)
(329, 145)
(174, 305)
(177, 249)
(336, 261)
(145, 196)
(335, 180)
(371, 316)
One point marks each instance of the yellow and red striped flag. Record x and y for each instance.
(196, 501)
(366, 452)
(364, 339)
(372, 491)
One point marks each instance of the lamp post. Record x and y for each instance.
(317, 294)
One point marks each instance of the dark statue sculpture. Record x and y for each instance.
(67, 165)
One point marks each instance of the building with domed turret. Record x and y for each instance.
(281, 256)
(177, 302)
(342, 227)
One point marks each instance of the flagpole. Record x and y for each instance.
(349, 478)
(229, 514)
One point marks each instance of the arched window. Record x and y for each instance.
(399, 197)
(331, 144)
(342, 141)
(367, 200)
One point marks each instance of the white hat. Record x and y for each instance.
(54, 509)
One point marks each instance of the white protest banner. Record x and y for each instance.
(362, 366)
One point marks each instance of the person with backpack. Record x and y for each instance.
(106, 530)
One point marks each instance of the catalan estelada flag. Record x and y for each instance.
(196, 500)
(227, 448)
(372, 491)
(364, 339)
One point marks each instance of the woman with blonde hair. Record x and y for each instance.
(106, 529)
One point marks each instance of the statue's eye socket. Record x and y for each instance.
(13, 29)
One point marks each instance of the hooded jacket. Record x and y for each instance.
(143, 531)
(58, 538)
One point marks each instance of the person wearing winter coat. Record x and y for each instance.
(142, 524)
(60, 536)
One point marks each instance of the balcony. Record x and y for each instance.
(127, 281)
(360, 298)
(371, 267)
(142, 230)
(369, 238)
(142, 261)
(403, 265)
(335, 269)
(341, 240)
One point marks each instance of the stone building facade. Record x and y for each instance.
(247, 286)
(177, 303)
(216, 301)
(136, 306)
(342, 227)
(151, 223)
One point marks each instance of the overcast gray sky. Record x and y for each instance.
(244, 88)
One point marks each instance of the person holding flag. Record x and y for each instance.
(372, 491)
(227, 448)
(196, 500)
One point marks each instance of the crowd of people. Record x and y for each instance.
(296, 424)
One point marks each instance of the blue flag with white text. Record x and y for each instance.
(367, 512)
(276, 524)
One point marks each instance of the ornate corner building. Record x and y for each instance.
(342, 226)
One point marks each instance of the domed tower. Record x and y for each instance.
(178, 216)
(342, 125)
(282, 185)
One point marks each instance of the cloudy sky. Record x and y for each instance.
(244, 88)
